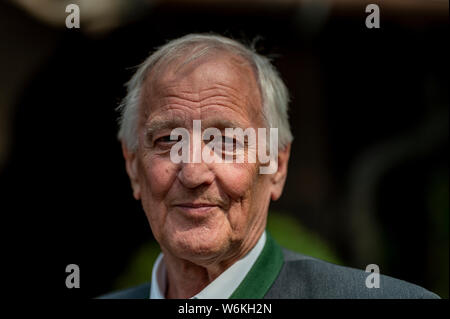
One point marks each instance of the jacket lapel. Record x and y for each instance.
(263, 273)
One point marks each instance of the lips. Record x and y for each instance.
(196, 209)
(195, 205)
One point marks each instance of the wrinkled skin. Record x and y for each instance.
(204, 216)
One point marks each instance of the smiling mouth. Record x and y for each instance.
(196, 209)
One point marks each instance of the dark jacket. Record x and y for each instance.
(280, 273)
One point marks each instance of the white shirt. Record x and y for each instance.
(220, 288)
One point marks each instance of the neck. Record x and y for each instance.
(186, 278)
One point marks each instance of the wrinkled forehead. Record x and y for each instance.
(196, 74)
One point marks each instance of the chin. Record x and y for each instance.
(199, 246)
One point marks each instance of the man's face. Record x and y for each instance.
(201, 212)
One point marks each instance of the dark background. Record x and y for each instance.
(369, 114)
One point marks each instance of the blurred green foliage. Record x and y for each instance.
(289, 233)
(286, 230)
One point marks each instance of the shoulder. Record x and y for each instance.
(306, 277)
(138, 292)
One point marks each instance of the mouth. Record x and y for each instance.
(196, 209)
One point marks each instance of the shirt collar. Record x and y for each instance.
(159, 280)
(220, 288)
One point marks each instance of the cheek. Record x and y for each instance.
(249, 194)
(158, 175)
(236, 179)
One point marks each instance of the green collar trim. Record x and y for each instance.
(263, 273)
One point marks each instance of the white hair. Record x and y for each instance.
(274, 94)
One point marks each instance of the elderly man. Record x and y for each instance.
(209, 216)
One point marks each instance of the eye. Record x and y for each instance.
(165, 141)
(228, 144)
(228, 140)
(232, 145)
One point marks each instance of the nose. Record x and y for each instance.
(192, 175)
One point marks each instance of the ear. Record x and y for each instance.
(131, 167)
(279, 177)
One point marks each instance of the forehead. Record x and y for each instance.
(216, 83)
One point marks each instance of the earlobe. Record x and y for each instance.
(278, 179)
(131, 168)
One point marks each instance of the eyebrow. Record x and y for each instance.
(220, 123)
(159, 125)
